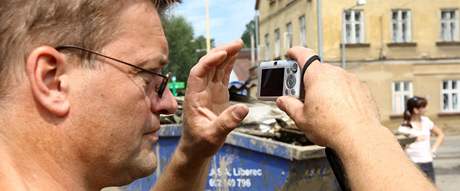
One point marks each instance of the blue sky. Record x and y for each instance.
(228, 17)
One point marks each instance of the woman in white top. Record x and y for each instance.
(416, 124)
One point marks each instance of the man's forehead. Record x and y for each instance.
(141, 39)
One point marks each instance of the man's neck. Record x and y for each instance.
(23, 174)
(28, 163)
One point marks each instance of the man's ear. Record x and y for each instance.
(49, 81)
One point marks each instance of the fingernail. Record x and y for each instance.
(223, 52)
(240, 112)
(279, 102)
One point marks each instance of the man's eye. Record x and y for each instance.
(145, 77)
(152, 83)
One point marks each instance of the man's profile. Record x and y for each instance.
(82, 89)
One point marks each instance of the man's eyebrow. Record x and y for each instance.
(163, 60)
(153, 62)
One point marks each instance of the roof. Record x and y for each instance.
(242, 65)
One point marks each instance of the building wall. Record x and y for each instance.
(426, 79)
(378, 34)
(425, 27)
(377, 62)
(277, 16)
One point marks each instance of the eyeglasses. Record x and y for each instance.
(158, 82)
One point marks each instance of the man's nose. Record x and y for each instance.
(167, 104)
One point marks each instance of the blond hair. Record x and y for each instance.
(26, 24)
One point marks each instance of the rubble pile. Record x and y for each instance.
(175, 118)
(264, 120)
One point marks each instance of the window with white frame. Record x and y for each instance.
(303, 31)
(402, 91)
(267, 46)
(450, 96)
(277, 43)
(449, 25)
(401, 26)
(288, 36)
(353, 26)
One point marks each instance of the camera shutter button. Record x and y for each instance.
(294, 68)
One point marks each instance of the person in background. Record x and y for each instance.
(416, 124)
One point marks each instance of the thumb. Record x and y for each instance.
(230, 118)
(292, 106)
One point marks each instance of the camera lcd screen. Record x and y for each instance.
(272, 82)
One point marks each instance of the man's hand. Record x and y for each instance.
(340, 113)
(208, 118)
(336, 102)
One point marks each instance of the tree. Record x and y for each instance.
(182, 54)
(184, 50)
(200, 45)
(246, 37)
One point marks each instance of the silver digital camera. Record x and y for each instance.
(279, 78)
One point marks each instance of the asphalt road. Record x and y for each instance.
(447, 164)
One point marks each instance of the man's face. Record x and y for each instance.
(114, 121)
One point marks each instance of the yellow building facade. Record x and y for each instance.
(400, 48)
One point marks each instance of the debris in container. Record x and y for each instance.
(265, 119)
(175, 118)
